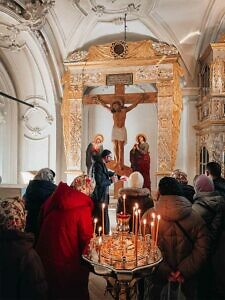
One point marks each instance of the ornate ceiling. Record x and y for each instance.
(38, 36)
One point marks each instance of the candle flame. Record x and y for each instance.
(153, 215)
(95, 220)
(144, 221)
(124, 196)
(152, 224)
(158, 217)
(136, 213)
(136, 206)
(139, 211)
(100, 229)
(103, 205)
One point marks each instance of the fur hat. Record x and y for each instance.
(12, 214)
(203, 184)
(135, 180)
(45, 174)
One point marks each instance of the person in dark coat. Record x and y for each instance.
(103, 178)
(213, 170)
(209, 204)
(37, 192)
(134, 193)
(183, 239)
(21, 271)
(66, 230)
(181, 177)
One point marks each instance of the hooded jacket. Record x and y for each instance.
(211, 207)
(177, 250)
(65, 233)
(36, 194)
(21, 270)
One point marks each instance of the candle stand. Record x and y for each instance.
(122, 258)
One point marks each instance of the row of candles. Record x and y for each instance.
(136, 223)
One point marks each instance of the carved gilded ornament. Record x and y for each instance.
(77, 56)
(141, 49)
(166, 75)
(217, 76)
(154, 73)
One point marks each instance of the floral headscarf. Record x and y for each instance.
(12, 214)
(83, 183)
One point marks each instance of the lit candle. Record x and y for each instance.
(99, 230)
(95, 222)
(103, 220)
(133, 219)
(139, 220)
(144, 227)
(157, 230)
(136, 235)
(152, 232)
(154, 227)
(124, 204)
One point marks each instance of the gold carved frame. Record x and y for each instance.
(150, 62)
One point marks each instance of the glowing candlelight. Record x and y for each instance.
(95, 222)
(144, 227)
(99, 230)
(139, 220)
(103, 219)
(152, 232)
(136, 206)
(136, 234)
(157, 230)
(154, 227)
(124, 204)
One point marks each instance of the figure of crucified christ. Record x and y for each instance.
(119, 132)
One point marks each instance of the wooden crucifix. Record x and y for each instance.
(115, 103)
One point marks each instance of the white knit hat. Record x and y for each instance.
(135, 180)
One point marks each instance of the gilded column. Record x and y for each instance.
(165, 132)
(169, 114)
(71, 112)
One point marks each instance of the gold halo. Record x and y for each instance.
(141, 134)
(99, 135)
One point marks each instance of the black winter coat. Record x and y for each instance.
(219, 184)
(211, 207)
(36, 194)
(21, 270)
(103, 180)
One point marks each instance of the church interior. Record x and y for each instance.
(58, 57)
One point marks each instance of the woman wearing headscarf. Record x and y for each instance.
(37, 192)
(66, 230)
(134, 193)
(21, 270)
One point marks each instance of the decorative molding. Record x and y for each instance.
(77, 56)
(164, 48)
(37, 120)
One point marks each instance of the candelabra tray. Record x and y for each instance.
(121, 255)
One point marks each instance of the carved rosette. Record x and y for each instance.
(37, 120)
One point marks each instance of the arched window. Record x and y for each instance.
(204, 159)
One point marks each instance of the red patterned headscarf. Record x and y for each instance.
(83, 183)
(12, 214)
